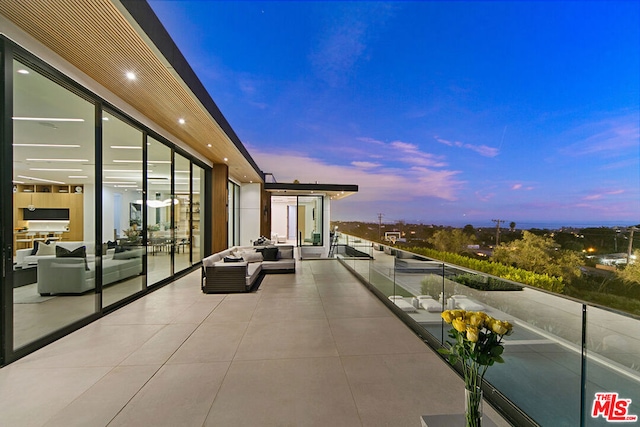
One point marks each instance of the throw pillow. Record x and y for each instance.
(35, 247)
(111, 245)
(286, 253)
(46, 249)
(252, 256)
(232, 259)
(80, 252)
(270, 253)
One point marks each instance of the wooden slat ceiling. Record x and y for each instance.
(95, 37)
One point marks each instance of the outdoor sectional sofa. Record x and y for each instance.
(241, 268)
(76, 274)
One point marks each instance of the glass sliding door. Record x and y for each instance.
(53, 206)
(159, 211)
(309, 219)
(183, 209)
(197, 213)
(123, 251)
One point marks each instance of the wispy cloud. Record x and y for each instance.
(365, 165)
(483, 150)
(612, 137)
(369, 140)
(384, 185)
(411, 154)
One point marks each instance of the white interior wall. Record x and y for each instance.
(250, 212)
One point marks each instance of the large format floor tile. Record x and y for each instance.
(314, 348)
(285, 392)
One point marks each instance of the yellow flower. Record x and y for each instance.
(472, 334)
(459, 325)
(499, 327)
(447, 315)
(476, 319)
(509, 327)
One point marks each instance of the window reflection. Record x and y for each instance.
(53, 171)
(159, 206)
(183, 210)
(123, 251)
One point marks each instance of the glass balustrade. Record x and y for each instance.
(564, 354)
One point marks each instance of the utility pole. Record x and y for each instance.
(380, 226)
(630, 250)
(497, 221)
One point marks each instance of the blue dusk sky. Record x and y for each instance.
(442, 112)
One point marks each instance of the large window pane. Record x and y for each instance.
(182, 213)
(123, 250)
(233, 232)
(198, 212)
(159, 206)
(53, 174)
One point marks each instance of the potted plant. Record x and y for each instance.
(477, 345)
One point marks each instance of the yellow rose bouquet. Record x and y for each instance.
(478, 345)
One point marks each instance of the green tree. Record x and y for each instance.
(454, 241)
(539, 254)
(630, 275)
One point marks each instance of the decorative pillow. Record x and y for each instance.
(111, 245)
(286, 253)
(233, 259)
(35, 247)
(46, 249)
(270, 253)
(80, 252)
(110, 252)
(252, 256)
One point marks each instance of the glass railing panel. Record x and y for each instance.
(542, 369)
(612, 368)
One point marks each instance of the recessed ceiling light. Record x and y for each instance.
(106, 119)
(54, 169)
(225, 159)
(57, 160)
(40, 179)
(130, 75)
(209, 145)
(78, 176)
(181, 121)
(126, 147)
(23, 71)
(47, 119)
(48, 145)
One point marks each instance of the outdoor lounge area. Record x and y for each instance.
(314, 348)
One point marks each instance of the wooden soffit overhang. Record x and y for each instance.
(105, 39)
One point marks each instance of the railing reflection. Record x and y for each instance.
(562, 351)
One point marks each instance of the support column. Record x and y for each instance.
(219, 207)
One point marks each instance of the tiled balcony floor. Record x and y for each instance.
(314, 348)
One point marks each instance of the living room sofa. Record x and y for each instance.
(76, 275)
(241, 268)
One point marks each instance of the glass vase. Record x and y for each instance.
(473, 407)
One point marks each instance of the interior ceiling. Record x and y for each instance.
(97, 39)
